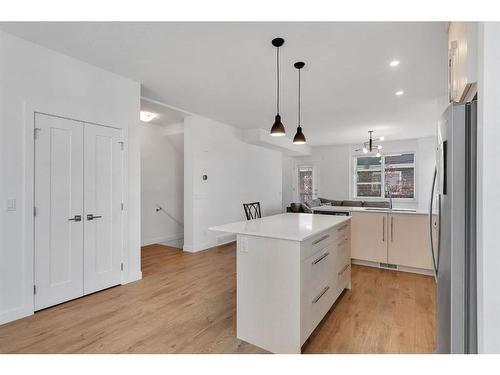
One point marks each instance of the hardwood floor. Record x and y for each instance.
(186, 303)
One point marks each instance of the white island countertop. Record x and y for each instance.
(289, 226)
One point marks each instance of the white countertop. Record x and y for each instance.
(369, 209)
(289, 226)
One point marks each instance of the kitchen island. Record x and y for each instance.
(290, 270)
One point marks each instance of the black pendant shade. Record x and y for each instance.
(278, 129)
(299, 138)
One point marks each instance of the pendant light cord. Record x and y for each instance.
(278, 80)
(299, 97)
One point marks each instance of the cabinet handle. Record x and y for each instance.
(320, 239)
(92, 217)
(318, 297)
(392, 226)
(344, 269)
(317, 260)
(383, 228)
(76, 218)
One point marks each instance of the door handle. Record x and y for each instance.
(319, 259)
(92, 217)
(344, 269)
(321, 294)
(76, 218)
(320, 239)
(392, 228)
(431, 239)
(383, 228)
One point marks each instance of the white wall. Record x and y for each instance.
(162, 183)
(287, 181)
(334, 169)
(488, 216)
(237, 172)
(33, 78)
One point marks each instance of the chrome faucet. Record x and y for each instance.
(390, 199)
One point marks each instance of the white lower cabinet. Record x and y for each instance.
(285, 287)
(395, 238)
(324, 275)
(408, 241)
(369, 236)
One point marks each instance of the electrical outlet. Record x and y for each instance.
(243, 244)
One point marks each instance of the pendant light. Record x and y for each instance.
(299, 138)
(278, 129)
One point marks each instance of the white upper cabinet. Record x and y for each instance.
(462, 61)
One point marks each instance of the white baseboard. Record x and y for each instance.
(172, 237)
(15, 314)
(197, 248)
(368, 263)
(133, 277)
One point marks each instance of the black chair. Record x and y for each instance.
(252, 210)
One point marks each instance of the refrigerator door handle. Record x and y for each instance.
(431, 239)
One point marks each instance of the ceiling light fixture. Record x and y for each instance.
(399, 93)
(146, 116)
(299, 138)
(394, 63)
(278, 129)
(371, 144)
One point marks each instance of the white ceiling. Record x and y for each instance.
(226, 71)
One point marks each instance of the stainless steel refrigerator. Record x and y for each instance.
(452, 212)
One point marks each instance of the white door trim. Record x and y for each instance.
(28, 305)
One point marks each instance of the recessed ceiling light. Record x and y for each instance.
(146, 116)
(394, 63)
(399, 93)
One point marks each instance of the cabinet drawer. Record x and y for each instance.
(315, 308)
(317, 271)
(344, 275)
(343, 231)
(313, 245)
(318, 242)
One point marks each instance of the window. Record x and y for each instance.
(305, 183)
(368, 176)
(400, 176)
(385, 176)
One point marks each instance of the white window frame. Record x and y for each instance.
(382, 197)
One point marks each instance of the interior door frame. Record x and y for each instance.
(315, 173)
(28, 297)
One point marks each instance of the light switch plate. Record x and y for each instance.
(10, 205)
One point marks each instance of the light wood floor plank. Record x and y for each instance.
(186, 303)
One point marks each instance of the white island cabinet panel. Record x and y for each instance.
(290, 270)
(268, 293)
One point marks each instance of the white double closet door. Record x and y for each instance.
(78, 203)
